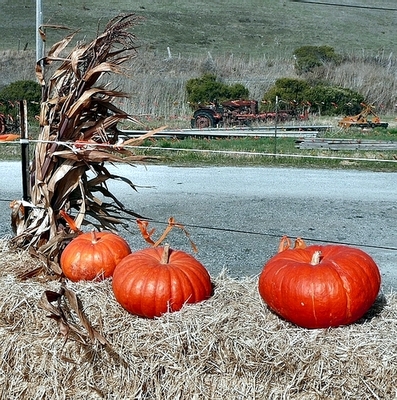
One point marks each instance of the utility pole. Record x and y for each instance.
(23, 110)
(39, 24)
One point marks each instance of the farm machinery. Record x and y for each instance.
(366, 119)
(3, 123)
(8, 123)
(241, 112)
(8, 127)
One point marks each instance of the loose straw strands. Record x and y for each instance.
(230, 346)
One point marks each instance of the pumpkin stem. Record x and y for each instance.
(299, 243)
(165, 257)
(94, 238)
(316, 258)
(285, 244)
(70, 221)
(147, 235)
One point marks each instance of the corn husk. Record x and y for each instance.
(78, 137)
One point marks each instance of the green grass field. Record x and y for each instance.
(252, 151)
(264, 28)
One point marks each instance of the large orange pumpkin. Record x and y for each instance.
(93, 255)
(320, 286)
(155, 280)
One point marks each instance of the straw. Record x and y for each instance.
(228, 347)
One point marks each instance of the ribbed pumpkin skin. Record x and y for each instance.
(146, 287)
(339, 290)
(93, 255)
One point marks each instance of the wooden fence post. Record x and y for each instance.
(24, 150)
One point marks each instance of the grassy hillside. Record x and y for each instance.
(256, 27)
(247, 42)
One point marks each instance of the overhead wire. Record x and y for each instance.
(278, 235)
(346, 5)
(241, 231)
(71, 146)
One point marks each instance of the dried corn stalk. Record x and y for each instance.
(78, 134)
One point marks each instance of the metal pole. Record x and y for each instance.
(39, 23)
(275, 128)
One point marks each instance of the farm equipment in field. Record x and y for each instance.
(240, 112)
(7, 128)
(366, 119)
(3, 121)
(7, 124)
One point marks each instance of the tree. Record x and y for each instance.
(288, 90)
(335, 100)
(326, 99)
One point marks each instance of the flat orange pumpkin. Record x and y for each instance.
(93, 256)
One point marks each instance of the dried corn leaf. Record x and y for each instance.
(78, 134)
(58, 47)
(67, 302)
(101, 68)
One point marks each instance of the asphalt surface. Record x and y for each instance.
(236, 216)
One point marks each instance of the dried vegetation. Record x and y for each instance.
(78, 134)
(230, 346)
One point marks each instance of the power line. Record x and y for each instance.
(71, 145)
(275, 235)
(278, 235)
(345, 5)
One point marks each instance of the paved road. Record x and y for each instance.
(236, 215)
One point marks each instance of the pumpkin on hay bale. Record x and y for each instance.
(156, 280)
(319, 286)
(92, 255)
(229, 347)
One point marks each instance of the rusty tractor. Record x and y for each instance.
(241, 112)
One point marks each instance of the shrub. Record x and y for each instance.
(325, 99)
(288, 91)
(307, 58)
(20, 90)
(333, 100)
(207, 89)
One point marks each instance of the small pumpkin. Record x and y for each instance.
(156, 280)
(320, 286)
(93, 255)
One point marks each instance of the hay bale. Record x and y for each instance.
(230, 346)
